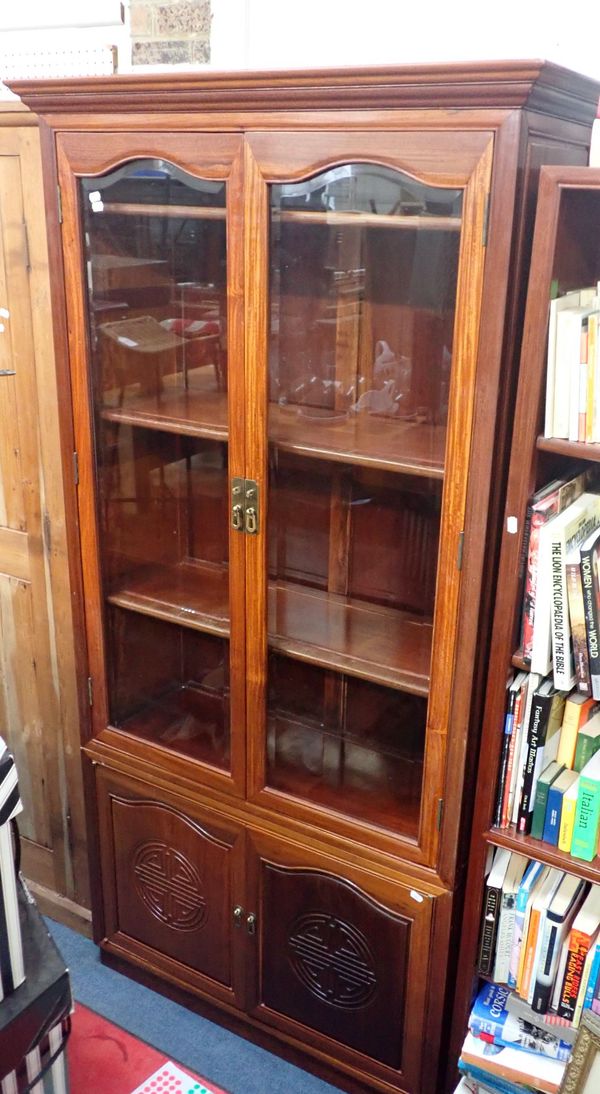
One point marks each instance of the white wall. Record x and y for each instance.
(307, 33)
(315, 33)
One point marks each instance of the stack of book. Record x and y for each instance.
(540, 936)
(573, 367)
(549, 778)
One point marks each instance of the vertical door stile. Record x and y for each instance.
(458, 445)
(256, 236)
(237, 442)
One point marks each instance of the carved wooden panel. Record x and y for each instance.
(173, 885)
(335, 960)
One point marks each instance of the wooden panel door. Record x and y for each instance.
(157, 372)
(172, 878)
(342, 961)
(38, 705)
(368, 258)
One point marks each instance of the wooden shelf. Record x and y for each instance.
(194, 212)
(364, 439)
(351, 776)
(189, 720)
(194, 594)
(575, 449)
(374, 643)
(195, 414)
(370, 220)
(544, 852)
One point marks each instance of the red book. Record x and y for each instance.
(581, 935)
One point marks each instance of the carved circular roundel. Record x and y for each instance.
(333, 960)
(169, 885)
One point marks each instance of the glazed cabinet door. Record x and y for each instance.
(342, 962)
(368, 260)
(153, 275)
(172, 878)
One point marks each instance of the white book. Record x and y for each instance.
(542, 904)
(528, 1068)
(569, 530)
(506, 922)
(556, 305)
(567, 354)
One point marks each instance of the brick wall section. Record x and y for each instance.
(170, 32)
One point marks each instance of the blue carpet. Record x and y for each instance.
(215, 1053)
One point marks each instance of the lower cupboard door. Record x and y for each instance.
(170, 882)
(343, 965)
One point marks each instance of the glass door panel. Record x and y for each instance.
(363, 280)
(155, 252)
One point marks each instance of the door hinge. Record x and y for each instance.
(59, 204)
(440, 813)
(76, 468)
(459, 552)
(245, 506)
(90, 687)
(486, 221)
(26, 244)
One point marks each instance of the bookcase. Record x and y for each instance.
(287, 317)
(565, 257)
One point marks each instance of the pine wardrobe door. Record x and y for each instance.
(342, 961)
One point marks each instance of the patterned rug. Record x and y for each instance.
(105, 1059)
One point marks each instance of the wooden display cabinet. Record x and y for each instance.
(290, 301)
(566, 256)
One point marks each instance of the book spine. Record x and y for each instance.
(590, 607)
(540, 709)
(488, 930)
(585, 748)
(538, 520)
(587, 816)
(509, 784)
(552, 819)
(567, 822)
(545, 972)
(539, 809)
(506, 739)
(504, 938)
(561, 652)
(517, 940)
(577, 952)
(577, 618)
(591, 984)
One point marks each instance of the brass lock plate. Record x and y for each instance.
(245, 506)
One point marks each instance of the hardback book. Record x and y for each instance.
(546, 779)
(544, 505)
(512, 693)
(549, 1022)
(588, 742)
(593, 977)
(539, 885)
(531, 878)
(520, 687)
(581, 936)
(566, 532)
(535, 931)
(587, 812)
(491, 911)
(589, 556)
(506, 922)
(492, 1020)
(567, 816)
(578, 710)
(532, 1069)
(540, 718)
(556, 793)
(569, 322)
(557, 304)
(531, 685)
(596, 995)
(585, 978)
(560, 915)
(577, 621)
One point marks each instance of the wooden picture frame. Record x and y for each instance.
(582, 1075)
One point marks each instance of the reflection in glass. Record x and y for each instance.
(363, 275)
(156, 285)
